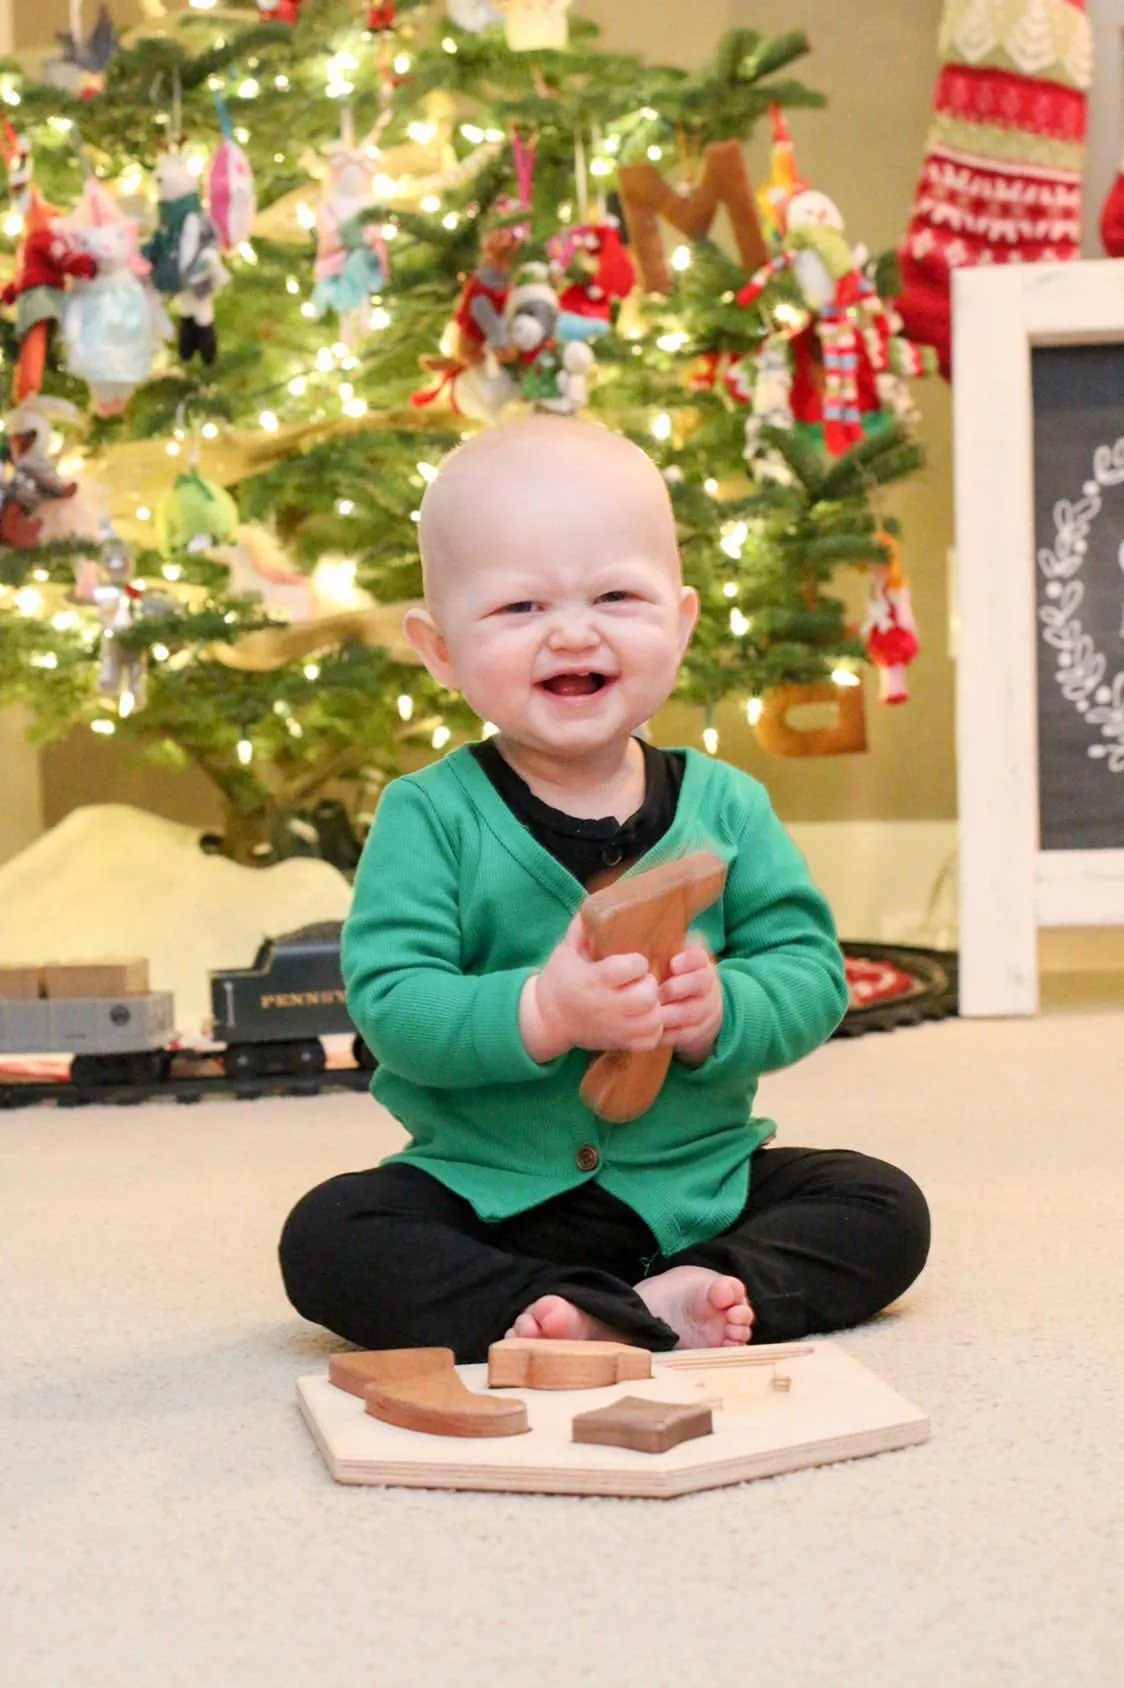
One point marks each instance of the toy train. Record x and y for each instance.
(268, 1021)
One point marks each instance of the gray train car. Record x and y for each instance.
(114, 1039)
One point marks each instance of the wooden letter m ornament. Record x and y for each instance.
(723, 180)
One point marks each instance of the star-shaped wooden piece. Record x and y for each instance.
(651, 1427)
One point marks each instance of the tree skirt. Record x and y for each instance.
(892, 986)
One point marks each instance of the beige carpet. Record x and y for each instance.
(167, 1522)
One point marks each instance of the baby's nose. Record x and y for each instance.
(573, 629)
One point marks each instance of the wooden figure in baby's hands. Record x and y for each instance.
(646, 914)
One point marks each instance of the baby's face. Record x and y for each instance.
(560, 609)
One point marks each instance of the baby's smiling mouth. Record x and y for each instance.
(576, 685)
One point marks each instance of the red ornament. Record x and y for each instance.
(891, 631)
(1112, 218)
(610, 272)
(46, 258)
(279, 11)
(380, 18)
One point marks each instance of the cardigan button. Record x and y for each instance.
(588, 1158)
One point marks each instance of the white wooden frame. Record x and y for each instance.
(1009, 887)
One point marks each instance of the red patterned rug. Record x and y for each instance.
(892, 986)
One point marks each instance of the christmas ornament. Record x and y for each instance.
(46, 259)
(1004, 158)
(122, 674)
(112, 324)
(722, 180)
(261, 568)
(891, 631)
(279, 11)
(475, 345)
(535, 26)
(473, 15)
(195, 514)
(230, 186)
(351, 257)
(81, 67)
(31, 478)
(380, 18)
(1112, 217)
(549, 373)
(595, 267)
(837, 726)
(184, 254)
(848, 357)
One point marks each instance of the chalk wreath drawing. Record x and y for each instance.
(1081, 668)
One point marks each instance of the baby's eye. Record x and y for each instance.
(620, 597)
(523, 607)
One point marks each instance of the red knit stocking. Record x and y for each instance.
(1001, 182)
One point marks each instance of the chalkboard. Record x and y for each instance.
(1079, 535)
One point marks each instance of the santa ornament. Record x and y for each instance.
(1001, 182)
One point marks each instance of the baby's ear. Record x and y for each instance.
(429, 642)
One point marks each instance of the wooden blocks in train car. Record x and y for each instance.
(21, 984)
(650, 1427)
(536, 1363)
(69, 979)
(421, 1389)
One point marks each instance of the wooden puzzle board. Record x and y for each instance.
(835, 1409)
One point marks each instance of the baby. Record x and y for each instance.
(555, 605)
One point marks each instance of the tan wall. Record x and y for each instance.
(876, 63)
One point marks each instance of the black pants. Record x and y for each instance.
(392, 1259)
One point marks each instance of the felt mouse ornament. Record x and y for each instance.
(550, 372)
(185, 256)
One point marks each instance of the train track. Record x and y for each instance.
(184, 1088)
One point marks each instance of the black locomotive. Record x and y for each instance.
(271, 1016)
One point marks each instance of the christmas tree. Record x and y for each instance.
(268, 269)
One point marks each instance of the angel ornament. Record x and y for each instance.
(351, 256)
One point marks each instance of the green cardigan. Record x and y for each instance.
(456, 905)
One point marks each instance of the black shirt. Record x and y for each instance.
(586, 848)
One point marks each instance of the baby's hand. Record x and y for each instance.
(691, 998)
(579, 1003)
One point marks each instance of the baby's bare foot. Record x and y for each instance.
(552, 1318)
(704, 1308)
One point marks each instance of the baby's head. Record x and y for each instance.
(551, 563)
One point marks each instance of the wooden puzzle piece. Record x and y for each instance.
(420, 1389)
(651, 1427)
(537, 1363)
(647, 914)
